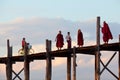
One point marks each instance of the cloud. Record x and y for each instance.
(4, 30)
(38, 65)
(2, 69)
(59, 62)
(85, 63)
(37, 30)
(17, 20)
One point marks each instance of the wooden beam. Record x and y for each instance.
(107, 63)
(69, 67)
(26, 65)
(74, 64)
(17, 74)
(97, 55)
(48, 60)
(105, 66)
(9, 62)
(109, 70)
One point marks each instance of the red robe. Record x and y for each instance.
(60, 41)
(23, 43)
(80, 39)
(106, 32)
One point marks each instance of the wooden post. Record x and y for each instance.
(48, 61)
(119, 59)
(69, 67)
(26, 65)
(74, 64)
(9, 62)
(97, 55)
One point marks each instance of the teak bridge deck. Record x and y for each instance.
(88, 50)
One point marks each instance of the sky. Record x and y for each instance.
(38, 20)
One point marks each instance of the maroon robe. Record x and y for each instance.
(60, 41)
(68, 38)
(106, 33)
(69, 43)
(80, 39)
(23, 43)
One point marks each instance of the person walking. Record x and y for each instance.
(80, 40)
(68, 39)
(106, 33)
(59, 40)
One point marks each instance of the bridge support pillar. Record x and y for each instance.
(69, 67)
(97, 54)
(48, 60)
(74, 64)
(26, 66)
(9, 62)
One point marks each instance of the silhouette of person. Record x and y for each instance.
(106, 33)
(24, 43)
(59, 40)
(68, 39)
(80, 40)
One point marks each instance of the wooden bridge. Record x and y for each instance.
(49, 55)
(88, 50)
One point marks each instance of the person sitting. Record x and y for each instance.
(29, 46)
(24, 43)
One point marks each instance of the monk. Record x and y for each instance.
(68, 39)
(80, 40)
(59, 40)
(106, 33)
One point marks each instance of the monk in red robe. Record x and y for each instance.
(106, 33)
(59, 41)
(80, 40)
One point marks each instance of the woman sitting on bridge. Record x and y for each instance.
(24, 43)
